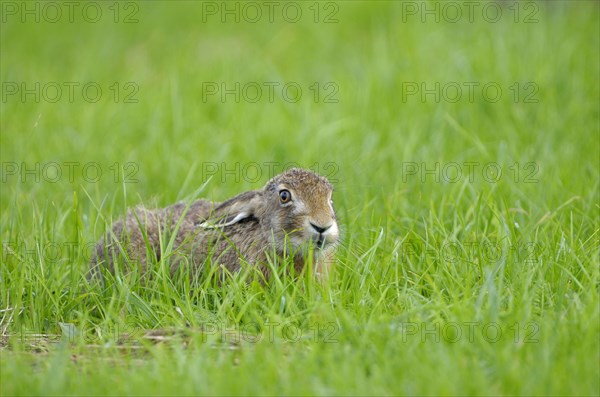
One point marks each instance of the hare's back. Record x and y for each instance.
(198, 211)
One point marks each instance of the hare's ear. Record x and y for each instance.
(243, 206)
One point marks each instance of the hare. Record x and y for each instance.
(290, 214)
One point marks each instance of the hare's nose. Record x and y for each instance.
(320, 229)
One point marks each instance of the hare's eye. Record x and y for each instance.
(285, 196)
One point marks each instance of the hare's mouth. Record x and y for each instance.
(319, 241)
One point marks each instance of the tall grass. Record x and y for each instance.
(450, 278)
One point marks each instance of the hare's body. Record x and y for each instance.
(290, 214)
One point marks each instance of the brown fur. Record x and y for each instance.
(247, 228)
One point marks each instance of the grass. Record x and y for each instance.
(450, 279)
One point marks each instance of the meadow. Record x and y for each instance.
(463, 141)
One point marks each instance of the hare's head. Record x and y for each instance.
(299, 205)
(295, 205)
